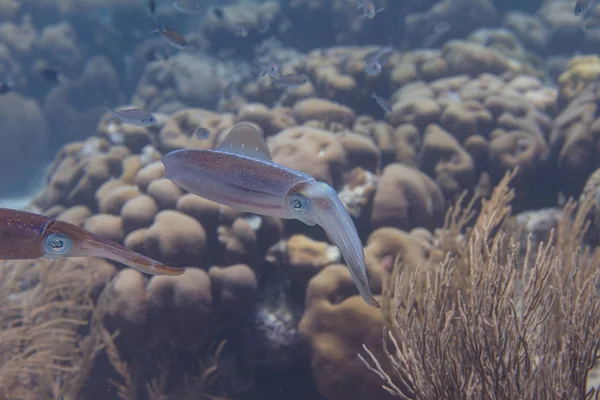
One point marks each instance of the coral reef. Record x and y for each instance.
(407, 110)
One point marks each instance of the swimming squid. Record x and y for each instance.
(240, 173)
(27, 236)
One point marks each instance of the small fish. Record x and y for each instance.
(172, 37)
(133, 116)
(152, 8)
(5, 87)
(582, 6)
(373, 63)
(290, 81)
(201, 133)
(271, 70)
(218, 11)
(52, 75)
(368, 9)
(383, 103)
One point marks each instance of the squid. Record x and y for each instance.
(27, 236)
(241, 174)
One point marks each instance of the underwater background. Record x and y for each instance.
(405, 107)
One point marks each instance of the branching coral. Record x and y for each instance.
(486, 326)
(47, 346)
(159, 384)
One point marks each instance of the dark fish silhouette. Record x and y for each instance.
(218, 12)
(152, 7)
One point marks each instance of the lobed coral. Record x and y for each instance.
(470, 107)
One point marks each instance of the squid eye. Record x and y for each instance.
(299, 204)
(57, 244)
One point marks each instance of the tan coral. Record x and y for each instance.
(179, 130)
(473, 59)
(307, 257)
(360, 152)
(261, 91)
(385, 246)
(164, 192)
(270, 120)
(398, 144)
(90, 174)
(234, 289)
(313, 151)
(525, 150)
(75, 215)
(434, 69)
(401, 144)
(336, 324)
(503, 41)
(479, 148)
(407, 198)
(113, 195)
(357, 194)
(107, 226)
(174, 238)
(207, 212)
(127, 309)
(131, 166)
(138, 212)
(580, 73)
(419, 111)
(466, 118)
(444, 159)
(171, 301)
(533, 90)
(239, 242)
(132, 136)
(323, 110)
(328, 71)
(148, 174)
